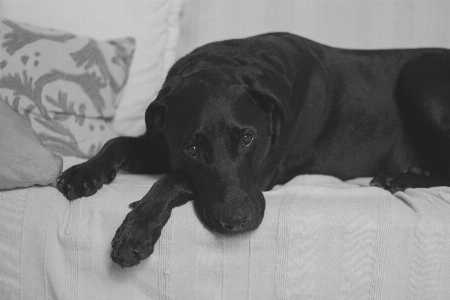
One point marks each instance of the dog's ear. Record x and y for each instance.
(270, 106)
(155, 115)
(271, 91)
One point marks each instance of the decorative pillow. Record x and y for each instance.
(67, 86)
(154, 23)
(23, 159)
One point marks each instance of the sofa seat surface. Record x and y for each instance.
(321, 238)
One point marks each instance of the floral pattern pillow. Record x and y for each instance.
(66, 86)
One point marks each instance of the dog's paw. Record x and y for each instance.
(395, 182)
(83, 180)
(134, 240)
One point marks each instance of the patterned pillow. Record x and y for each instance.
(66, 86)
(155, 24)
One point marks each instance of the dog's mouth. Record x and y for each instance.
(216, 226)
(210, 216)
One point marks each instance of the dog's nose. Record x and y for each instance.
(235, 220)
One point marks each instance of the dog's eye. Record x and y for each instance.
(247, 138)
(192, 150)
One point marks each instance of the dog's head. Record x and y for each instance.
(219, 128)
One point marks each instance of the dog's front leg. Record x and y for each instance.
(132, 154)
(136, 237)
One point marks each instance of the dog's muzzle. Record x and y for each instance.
(234, 215)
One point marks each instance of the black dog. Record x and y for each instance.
(234, 118)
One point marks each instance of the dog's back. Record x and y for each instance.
(348, 116)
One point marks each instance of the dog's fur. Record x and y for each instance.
(234, 118)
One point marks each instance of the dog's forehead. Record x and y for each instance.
(211, 107)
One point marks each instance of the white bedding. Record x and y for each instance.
(321, 238)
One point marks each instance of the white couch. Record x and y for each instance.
(321, 238)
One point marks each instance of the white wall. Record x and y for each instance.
(344, 23)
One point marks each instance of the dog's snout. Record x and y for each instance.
(234, 219)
